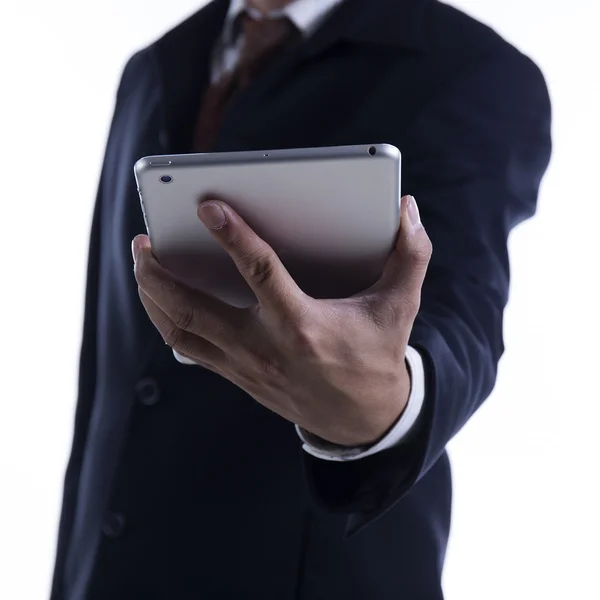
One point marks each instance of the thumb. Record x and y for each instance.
(405, 269)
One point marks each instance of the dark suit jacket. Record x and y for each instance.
(180, 485)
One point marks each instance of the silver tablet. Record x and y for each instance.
(331, 214)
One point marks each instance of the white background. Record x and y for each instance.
(526, 505)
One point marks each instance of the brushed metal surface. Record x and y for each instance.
(331, 214)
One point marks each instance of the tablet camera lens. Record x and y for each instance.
(166, 179)
(372, 151)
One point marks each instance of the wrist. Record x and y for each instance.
(393, 409)
(376, 421)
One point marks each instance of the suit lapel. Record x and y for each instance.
(184, 63)
(242, 127)
(283, 105)
(183, 58)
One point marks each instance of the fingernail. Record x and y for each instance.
(413, 211)
(136, 246)
(212, 215)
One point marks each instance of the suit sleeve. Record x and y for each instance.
(87, 378)
(474, 159)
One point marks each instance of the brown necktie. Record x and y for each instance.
(261, 39)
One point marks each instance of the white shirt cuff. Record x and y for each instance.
(182, 359)
(328, 451)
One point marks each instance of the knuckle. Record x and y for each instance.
(268, 366)
(262, 367)
(172, 336)
(306, 338)
(184, 317)
(259, 266)
(299, 332)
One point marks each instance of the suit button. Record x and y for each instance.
(147, 392)
(114, 524)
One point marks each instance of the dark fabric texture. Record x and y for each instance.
(261, 41)
(181, 486)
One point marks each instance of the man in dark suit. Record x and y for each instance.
(299, 450)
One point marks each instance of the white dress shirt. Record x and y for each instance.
(307, 15)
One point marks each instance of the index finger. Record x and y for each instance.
(257, 262)
(189, 309)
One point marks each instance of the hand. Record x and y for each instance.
(334, 367)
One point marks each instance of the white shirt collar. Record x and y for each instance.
(306, 15)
